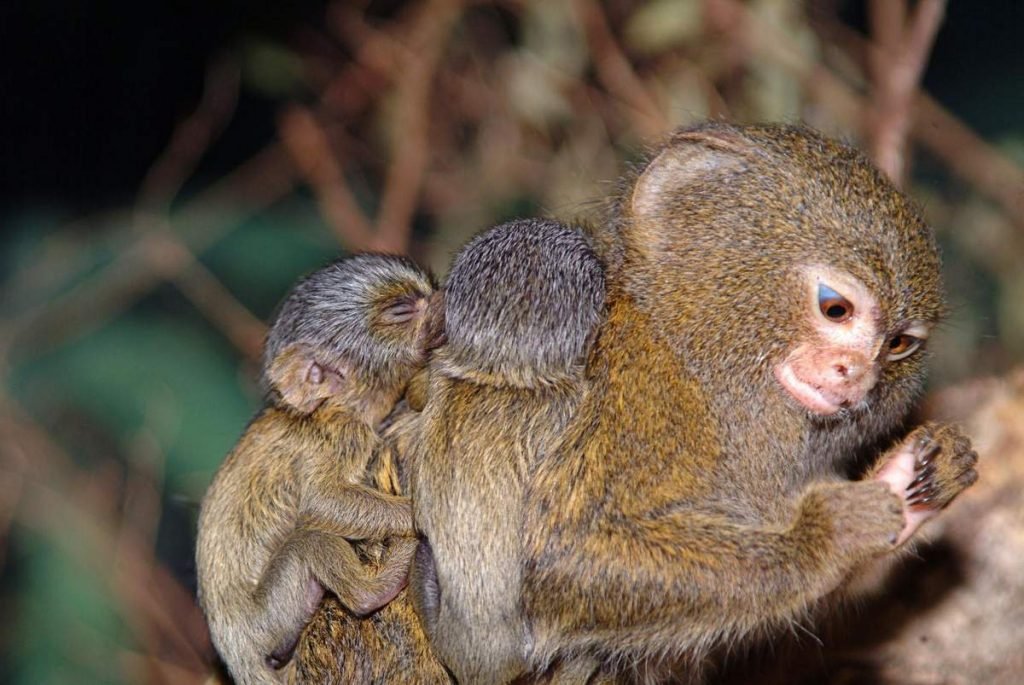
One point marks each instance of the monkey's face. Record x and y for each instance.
(398, 319)
(786, 272)
(364, 315)
(845, 344)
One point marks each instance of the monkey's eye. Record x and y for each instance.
(833, 306)
(402, 309)
(901, 346)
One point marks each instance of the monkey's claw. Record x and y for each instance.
(943, 467)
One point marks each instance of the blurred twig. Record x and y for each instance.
(172, 257)
(11, 488)
(192, 137)
(141, 515)
(311, 153)
(963, 151)
(896, 65)
(970, 157)
(243, 329)
(409, 140)
(139, 265)
(616, 73)
(413, 74)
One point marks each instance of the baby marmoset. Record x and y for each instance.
(276, 524)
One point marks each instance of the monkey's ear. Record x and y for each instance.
(690, 158)
(302, 382)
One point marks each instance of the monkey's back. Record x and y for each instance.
(521, 304)
(472, 462)
(249, 507)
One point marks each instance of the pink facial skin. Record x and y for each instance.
(839, 365)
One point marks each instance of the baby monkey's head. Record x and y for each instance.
(356, 331)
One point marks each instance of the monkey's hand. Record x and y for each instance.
(933, 465)
(851, 522)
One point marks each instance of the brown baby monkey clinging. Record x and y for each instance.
(522, 302)
(276, 524)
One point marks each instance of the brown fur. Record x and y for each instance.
(276, 525)
(388, 646)
(690, 503)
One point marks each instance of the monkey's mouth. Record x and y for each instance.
(810, 396)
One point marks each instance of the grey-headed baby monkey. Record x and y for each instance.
(276, 524)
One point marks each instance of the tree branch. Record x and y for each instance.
(616, 73)
(410, 145)
(896, 66)
(310, 150)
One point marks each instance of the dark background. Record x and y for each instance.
(93, 90)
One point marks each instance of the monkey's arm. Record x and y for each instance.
(666, 580)
(359, 512)
(332, 491)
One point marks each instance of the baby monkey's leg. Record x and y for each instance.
(317, 557)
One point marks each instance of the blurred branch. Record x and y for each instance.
(244, 330)
(247, 191)
(411, 64)
(897, 64)
(616, 73)
(739, 26)
(410, 145)
(240, 326)
(970, 157)
(11, 488)
(141, 513)
(963, 151)
(192, 137)
(111, 291)
(310, 150)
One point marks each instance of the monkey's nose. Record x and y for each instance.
(848, 368)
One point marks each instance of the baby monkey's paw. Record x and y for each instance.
(933, 465)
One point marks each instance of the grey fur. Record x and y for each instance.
(331, 308)
(551, 266)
